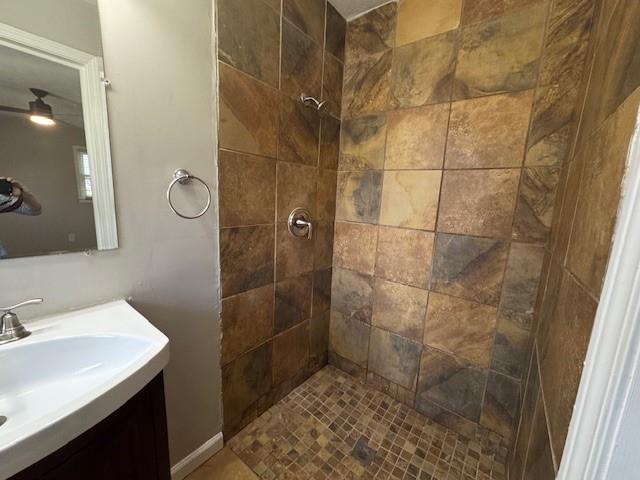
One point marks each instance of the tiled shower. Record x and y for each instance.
(463, 180)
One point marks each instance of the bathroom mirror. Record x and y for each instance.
(56, 188)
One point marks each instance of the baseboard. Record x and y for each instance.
(196, 458)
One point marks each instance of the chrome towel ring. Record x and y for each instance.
(183, 177)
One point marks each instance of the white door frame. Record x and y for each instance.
(613, 357)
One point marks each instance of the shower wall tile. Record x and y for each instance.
(359, 196)
(336, 31)
(551, 150)
(293, 302)
(352, 295)
(500, 404)
(248, 114)
(318, 341)
(410, 198)
(247, 321)
(480, 10)
(399, 308)
(489, 132)
(349, 339)
(371, 33)
(362, 143)
(423, 71)
(416, 22)
(395, 391)
(354, 246)
(521, 278)
(249, 38)
(536, 199)
(404, 256)
(321, 292)
(323, 244)
(461, 328)
(539, 458)
(294, 255)
(246, 189)
(307, 15)
(451, 384)
(244, 381)
(332, 84)
(469, 267)
(488, 63)
(510, 350)
(296, 187)
(246, 258)
(407, 130)
(326, 195)
(444, 417)
(299, 133)
(367, 84)
(291, 353)
(301, 63)
(394, 358)
(329, 143)
(478, 202)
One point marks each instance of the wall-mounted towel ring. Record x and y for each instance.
(183, 177)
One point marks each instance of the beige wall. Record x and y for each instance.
(42, 159)
(159, 56)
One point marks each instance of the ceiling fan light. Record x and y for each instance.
(41, 113)
(42, 120)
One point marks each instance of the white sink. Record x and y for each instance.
(74, 370)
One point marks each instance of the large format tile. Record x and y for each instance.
(479, 10)
(332, 85)
(247, 321)
(329, 142)
(510, 350)
(600, 186)
(423, 71)
(417, 20)
(246, 258)
(349, 338)
(318, 341)
(367, 84)
(296, 186)
(293, 302)
(489, 132)
(294, 255)
(249, 38)
(355, 246)
(406, 133)
(469, 267)
(371, 33)
(521, 279)
(451, 383)
(336, 31)
(394, 358)
(539, 464)
(321, 291)
(246, 189)
(410, 198)
(478, 202)
(244, 381)
(299, 133)
(536, 199)
(500, 55)
(399, 309)
(352, 295)
(500, 405)
(459, 327)
(358, 196)
(291, 353)
(326, 195)
(301, 68)
(323, 244)
(248, 114)
(307, 15)
(362, 143)
(404, 256)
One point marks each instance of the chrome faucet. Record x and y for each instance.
(10, 327)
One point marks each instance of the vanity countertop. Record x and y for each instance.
(74, 370)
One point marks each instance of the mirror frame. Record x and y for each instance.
(96, 124)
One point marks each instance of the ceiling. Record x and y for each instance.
(352, 8)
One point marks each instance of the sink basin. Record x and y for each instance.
(74, 370)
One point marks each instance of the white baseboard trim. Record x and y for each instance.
(196, 458)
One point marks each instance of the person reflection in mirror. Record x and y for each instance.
(20, 201)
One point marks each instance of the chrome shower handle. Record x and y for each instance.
(300, 224)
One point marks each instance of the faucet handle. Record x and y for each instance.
(33, 301)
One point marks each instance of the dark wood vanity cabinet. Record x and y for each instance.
(130, 444)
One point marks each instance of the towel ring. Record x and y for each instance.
(183, 177)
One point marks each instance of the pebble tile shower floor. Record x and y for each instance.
(334, 427)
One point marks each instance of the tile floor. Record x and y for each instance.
(333, 427)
